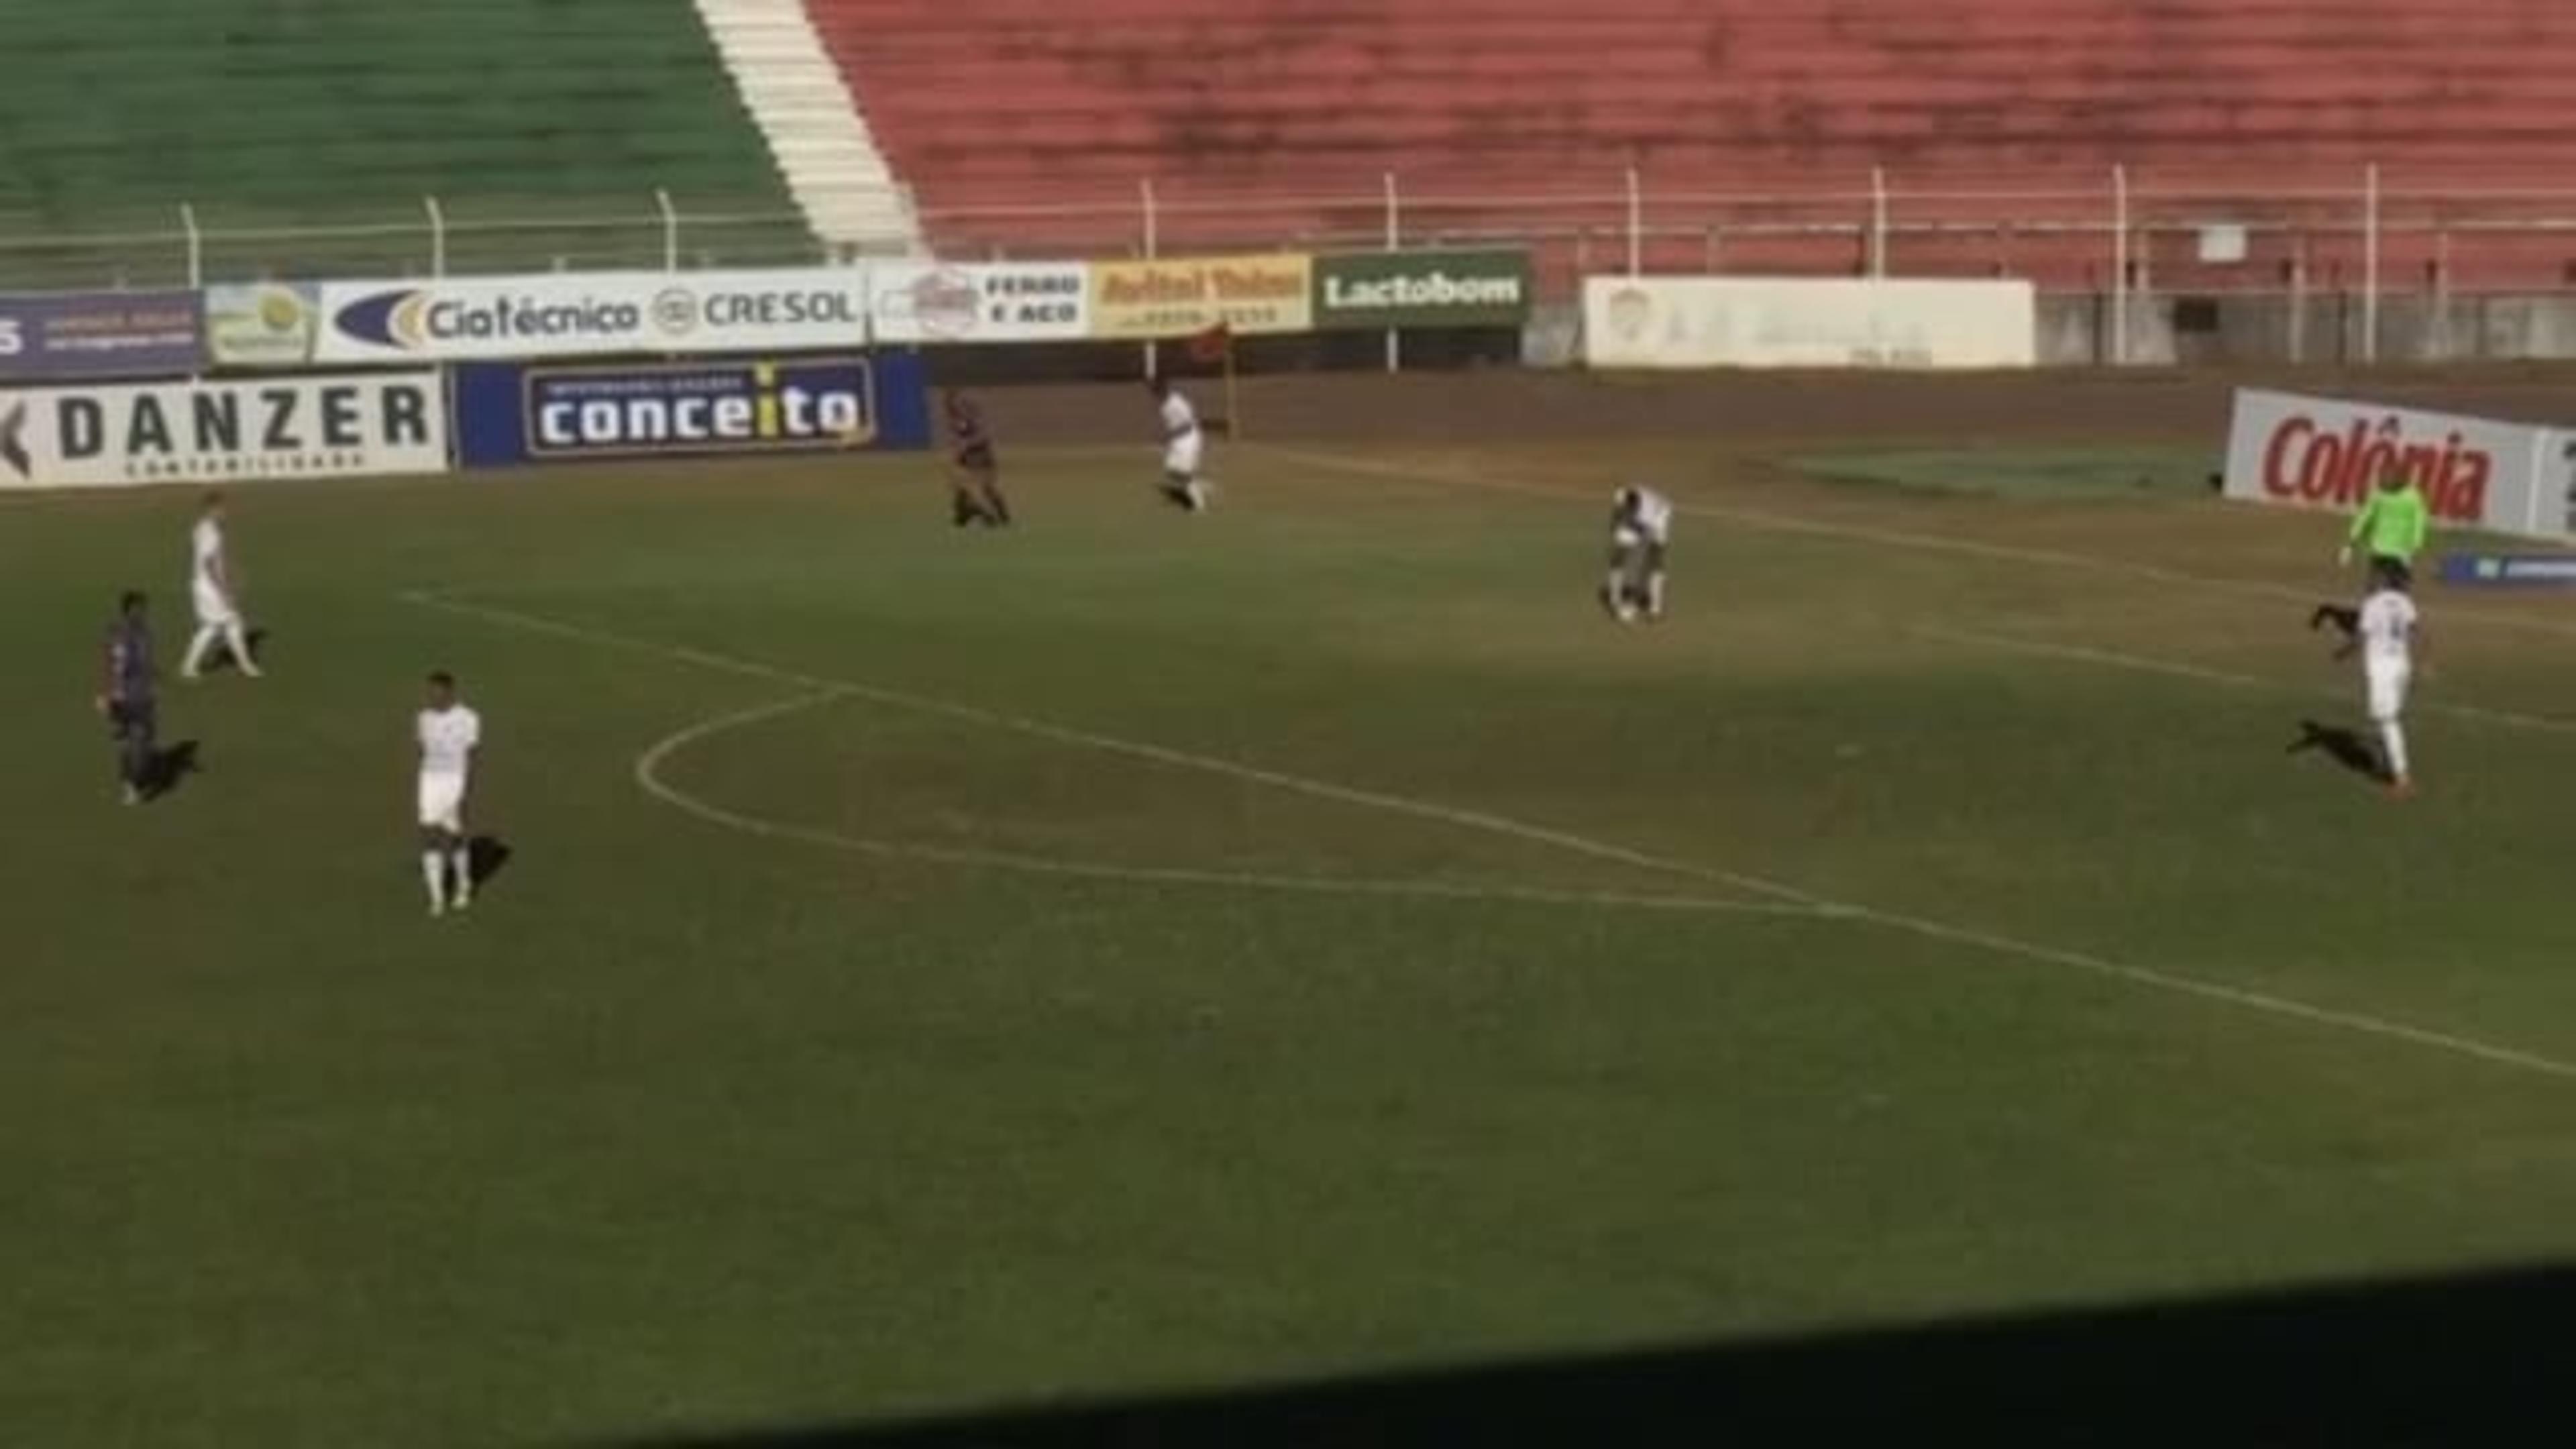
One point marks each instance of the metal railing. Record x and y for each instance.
(2106, 232)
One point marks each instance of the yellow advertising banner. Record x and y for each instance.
(1176, 296)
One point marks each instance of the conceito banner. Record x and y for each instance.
(1176, 296)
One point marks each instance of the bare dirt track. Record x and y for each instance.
(1512, 406)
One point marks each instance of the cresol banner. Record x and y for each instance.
(119, 435)
(1176, 296)
(929, 302)
(508, 414)
(591, 314)
(2311, 452)
(1377, 290)
(99, 334)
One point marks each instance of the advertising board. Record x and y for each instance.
(1425, 289)
(119, 435)
(57, 335)
(928, 302)
(591, 314)
(1710, 322)
(2328, 453)
(508, 414)
(1179, 296)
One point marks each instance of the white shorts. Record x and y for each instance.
(442, 803)
(1181, 455)
(2388, 690)
(214, 610)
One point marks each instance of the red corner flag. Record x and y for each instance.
(1214, 345)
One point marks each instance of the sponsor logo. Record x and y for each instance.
(1439, 289)
(1178, 297)
(946, 303)
(173, 432)
(412, 320)
(724, 407)
(263, 325)
(1631, 310)
(2306, 463)
(13, 440)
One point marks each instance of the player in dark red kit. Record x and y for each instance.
(974, 472)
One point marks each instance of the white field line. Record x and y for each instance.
(650, 777)
(1475, 820)
(1885, 537)
(2147, 664)
(2265, 1003)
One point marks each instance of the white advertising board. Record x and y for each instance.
(128, 435)
(2310, 452)
(591, 314)
(1710, 322)
(980, 302)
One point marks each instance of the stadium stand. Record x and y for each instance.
(1019, 132)
(266, 116)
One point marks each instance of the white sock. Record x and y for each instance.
(463, 859)
(433, 869)
(1655, 592)
(234, 640)
(198, 648)
(1197, 489)
(2392, 735)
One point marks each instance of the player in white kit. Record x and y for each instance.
(2390, 633)
(1641, 528)
(1183, 448)
(212, 588)
(448, 733)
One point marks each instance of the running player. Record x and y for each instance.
(2389, 635)
(974, 472)
(1183, 448)
(211, 585)
(448, 733)
(126, 697)
(1641, 528)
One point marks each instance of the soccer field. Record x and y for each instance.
(1136, 951)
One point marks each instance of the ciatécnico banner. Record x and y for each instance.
(509, 414)
(591, 314)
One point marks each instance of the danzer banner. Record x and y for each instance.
(1376, 290)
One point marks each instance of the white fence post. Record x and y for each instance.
(2119, 265)
(2370, 263)
(670, 230)
(196, 245)
(437, 236)
(1878, 221)
(1636, 225)
(1394, 242)
(1153, 248)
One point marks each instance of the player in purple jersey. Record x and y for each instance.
(974, 472)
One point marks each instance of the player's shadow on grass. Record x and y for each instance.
(2342, 745)
(486, 856)
(2465, 1359)
(171, 766)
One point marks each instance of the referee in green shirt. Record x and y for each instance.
(2392, 526)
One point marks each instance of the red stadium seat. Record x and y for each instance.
(1756, 125)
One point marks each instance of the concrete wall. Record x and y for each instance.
(2318, 328)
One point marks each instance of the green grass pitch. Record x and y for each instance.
(1138, 951)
